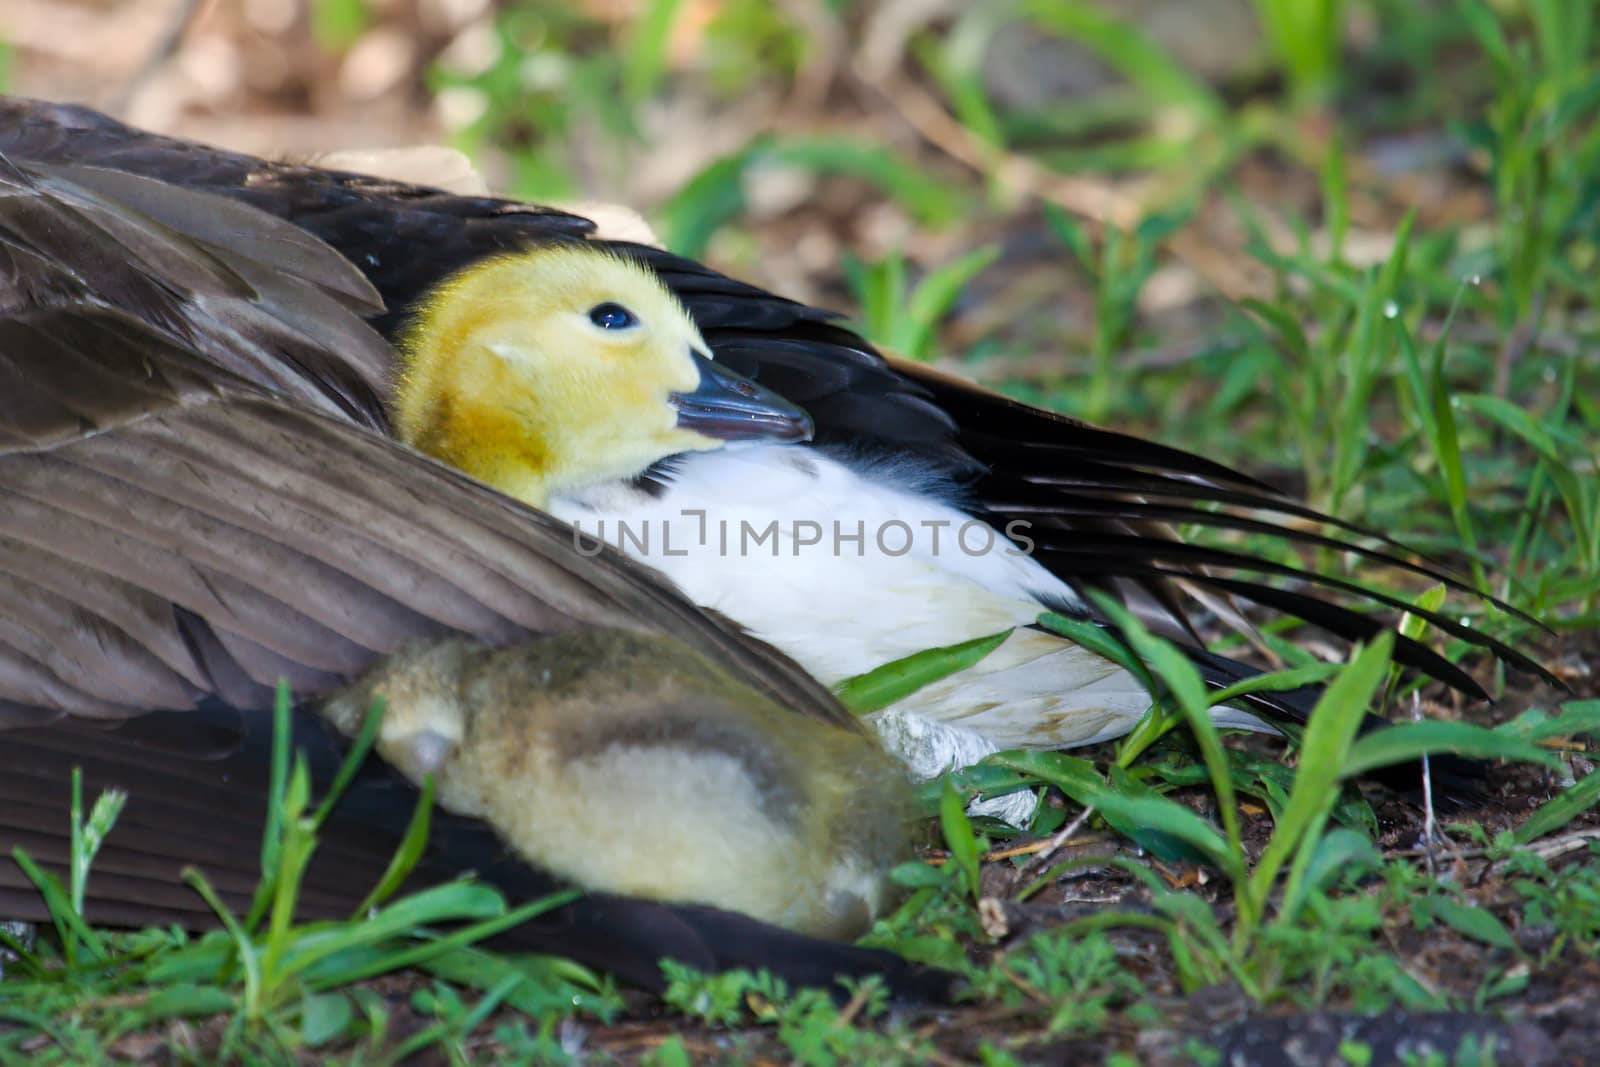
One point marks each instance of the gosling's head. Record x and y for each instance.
(566, 366)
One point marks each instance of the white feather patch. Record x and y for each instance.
(847, 566)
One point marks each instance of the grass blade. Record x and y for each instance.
(1323, 753)
(1407, 741)
(69, 922)
(1559, 810)
(898, 679)
(959, 838)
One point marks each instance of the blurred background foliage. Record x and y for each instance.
(1348, 245)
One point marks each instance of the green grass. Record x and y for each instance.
(274, 985)
(1418, 366)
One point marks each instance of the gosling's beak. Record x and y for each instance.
(731, 408)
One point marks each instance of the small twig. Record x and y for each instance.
(1517, 344)
(1028, 849)
(1429, 824)
(1549, 848)
(163, 49)
(1027, 988)
(1552, 847)
(826, 56)
(1023, 178)
(1056, 840)
(858, 1001)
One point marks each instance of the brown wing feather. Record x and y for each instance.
(308, 546)
(288, 324)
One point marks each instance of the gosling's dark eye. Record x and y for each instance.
(609, 316)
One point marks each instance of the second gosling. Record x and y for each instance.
(629, 763)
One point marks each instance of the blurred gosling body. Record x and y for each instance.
(630, 764)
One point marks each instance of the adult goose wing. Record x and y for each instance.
(288, 544)
(164, 565)
(262, 299)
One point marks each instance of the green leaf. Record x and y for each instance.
(1480, 19)
(1323, 751)
(184, 1000)
(645, 58)
(933, 298)
(69, 922)
(959, 838)
(1072, 233)
(1417, 383)
(277, 784)
(244, 950)
(917, 875)
(706, 203)
(1518, 421)
(418, 954)
(670, 1053)
(1561, 809)
(879, 288)
(1073, 775)
(1099, 640)
(1384, 970)
(1079, 780)
(324, 1016)
(1286, 329)
(1335, 197)
(898, 679)
(1430, 599)
(408, 853)
(451, 902)
(1576, 717)
(1473, 921)
(1337, 852)
(1169, 817)
(353, 760)
(1447, 448)
(957, 62)
(1164, 658)
(549, 982)
(1278, 681)
(1522, 424)
(336, 24)
(1194, 698)
(984, 779)
(1308, 36)
(1159, 842)
(455, 1024)
(932, 200)
(1407, 741)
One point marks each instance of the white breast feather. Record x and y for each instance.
(842, 607)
